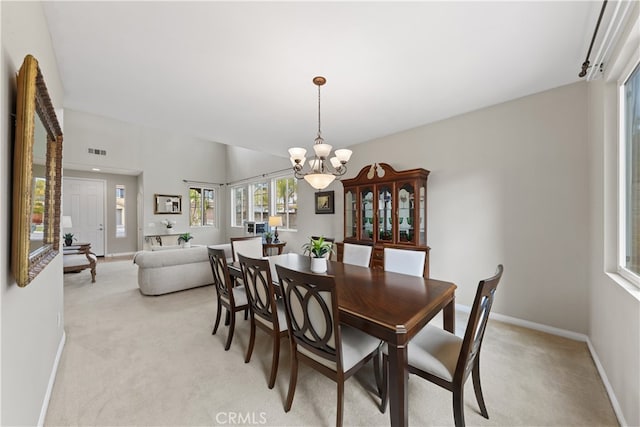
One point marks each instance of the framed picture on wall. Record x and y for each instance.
(166, 204)
(324, 202)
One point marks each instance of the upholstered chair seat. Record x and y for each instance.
(239, 295)
(356, 345)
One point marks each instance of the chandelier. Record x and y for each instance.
(320, 173)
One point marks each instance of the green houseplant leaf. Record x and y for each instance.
(185, 237)
(317, 247)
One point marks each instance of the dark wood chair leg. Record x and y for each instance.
(275, 359)
(340, 408)
(232, 324)
(215, 327)
(475, 374)
(292, 380)
(385, 384)
(228, 316)
(252, 340)
(458, 405)
(377, 359)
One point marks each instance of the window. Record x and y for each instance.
(278, 196)
(629, 264)
(240, 203)
(260, 202)
(202, 207)
(287, 201)
(121, 230)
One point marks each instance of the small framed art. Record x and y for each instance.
(324, 202)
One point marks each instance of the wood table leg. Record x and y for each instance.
(398, 378)
(449, 316)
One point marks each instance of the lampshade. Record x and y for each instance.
(275, 221)
(66, 222)
(319, 181)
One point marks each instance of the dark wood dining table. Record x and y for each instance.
(389, 306)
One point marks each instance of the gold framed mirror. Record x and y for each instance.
(37, 170)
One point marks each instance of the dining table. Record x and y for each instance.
(389, 306)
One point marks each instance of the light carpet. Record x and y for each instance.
(131, 360)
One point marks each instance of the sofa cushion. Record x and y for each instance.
(169, 257)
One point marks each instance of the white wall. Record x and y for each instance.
(31, 334)
(507, 185)
(614, 328)
(164, 159)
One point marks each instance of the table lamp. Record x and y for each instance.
(275, 221)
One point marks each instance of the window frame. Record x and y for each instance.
(202, 189)
(633, 65)
(121, 188)
(249, 188)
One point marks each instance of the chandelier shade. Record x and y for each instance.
(319, 173)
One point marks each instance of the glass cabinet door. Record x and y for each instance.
(385, 216)
(350, 215)
(366, 228)
(422, 211)
(406, 213)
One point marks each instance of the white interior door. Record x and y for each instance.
(83, 201)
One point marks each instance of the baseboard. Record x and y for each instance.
(566, 334)
(607, 385)
(52, 380)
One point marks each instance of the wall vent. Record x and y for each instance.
(97, 151)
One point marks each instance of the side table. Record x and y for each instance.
(266, 247)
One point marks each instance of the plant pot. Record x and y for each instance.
(186, 245)
(318, 265)
(68, 242)
(269, 239)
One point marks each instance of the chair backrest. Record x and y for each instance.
(405, 261)
(327, 239)
(477, 324)
(311, 307)
(248, 246)
(260, 291)
(356, 254)
(221, 278)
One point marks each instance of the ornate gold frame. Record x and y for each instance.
(33, 98)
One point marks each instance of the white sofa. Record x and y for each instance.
(171, 270)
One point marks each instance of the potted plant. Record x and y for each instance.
(68, 239)
(184, 239)
(318, 248)
(268, 237)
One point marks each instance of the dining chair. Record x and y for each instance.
(250, 246)
(266, 311)
(316, 336)
(446, 359)
(233, 298)
(356, 254)
(327, 239)
(406, 261)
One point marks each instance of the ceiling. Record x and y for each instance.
(240, 73)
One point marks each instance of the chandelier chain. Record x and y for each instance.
(319, 131)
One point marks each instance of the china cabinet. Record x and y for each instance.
(386, 208)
